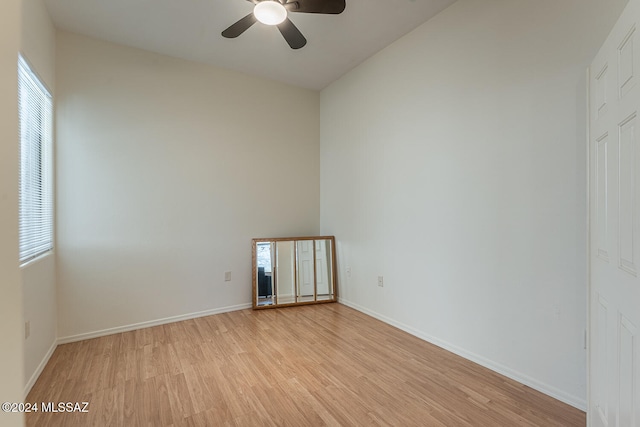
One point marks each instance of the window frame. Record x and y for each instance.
(36, 191)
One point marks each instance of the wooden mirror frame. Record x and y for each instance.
(254, 268)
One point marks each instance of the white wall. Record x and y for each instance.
(38, 278)
(11, 344)
(38, 41)
(165, 171)
(40, 310)
(453, 164)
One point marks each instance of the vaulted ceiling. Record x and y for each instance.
(190, 29)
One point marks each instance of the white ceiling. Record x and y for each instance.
(190, 29)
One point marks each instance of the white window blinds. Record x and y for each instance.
(36, 186)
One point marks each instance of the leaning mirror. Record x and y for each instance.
(293, 271)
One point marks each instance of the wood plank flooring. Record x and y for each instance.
(301, 366)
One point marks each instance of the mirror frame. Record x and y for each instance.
(254, 269)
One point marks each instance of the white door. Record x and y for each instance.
(305, 268)
(614, 315)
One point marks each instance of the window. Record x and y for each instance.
(36, 187)
(263, 252)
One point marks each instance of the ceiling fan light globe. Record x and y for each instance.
(270, 12)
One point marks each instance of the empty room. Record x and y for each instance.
(319, 212)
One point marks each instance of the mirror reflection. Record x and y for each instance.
(324, 273)
(291, 271)
(285, 272)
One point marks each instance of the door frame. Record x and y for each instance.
(589, 331)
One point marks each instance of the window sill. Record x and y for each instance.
(36, 259)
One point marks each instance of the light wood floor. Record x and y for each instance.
(301, 366)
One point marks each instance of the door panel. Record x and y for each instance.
(305, 268)
(626, 178)
(601, 197)
(627, 386)
(600, 374)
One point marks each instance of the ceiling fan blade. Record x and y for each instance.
(292, 34)
(239, 27)
(333, 7)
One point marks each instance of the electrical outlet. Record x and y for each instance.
(27, 329)
(227, 276)
(380, 281)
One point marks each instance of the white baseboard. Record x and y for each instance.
(142, 325)
(560, 395)
(39, 369)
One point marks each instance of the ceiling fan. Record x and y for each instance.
(274, 12)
